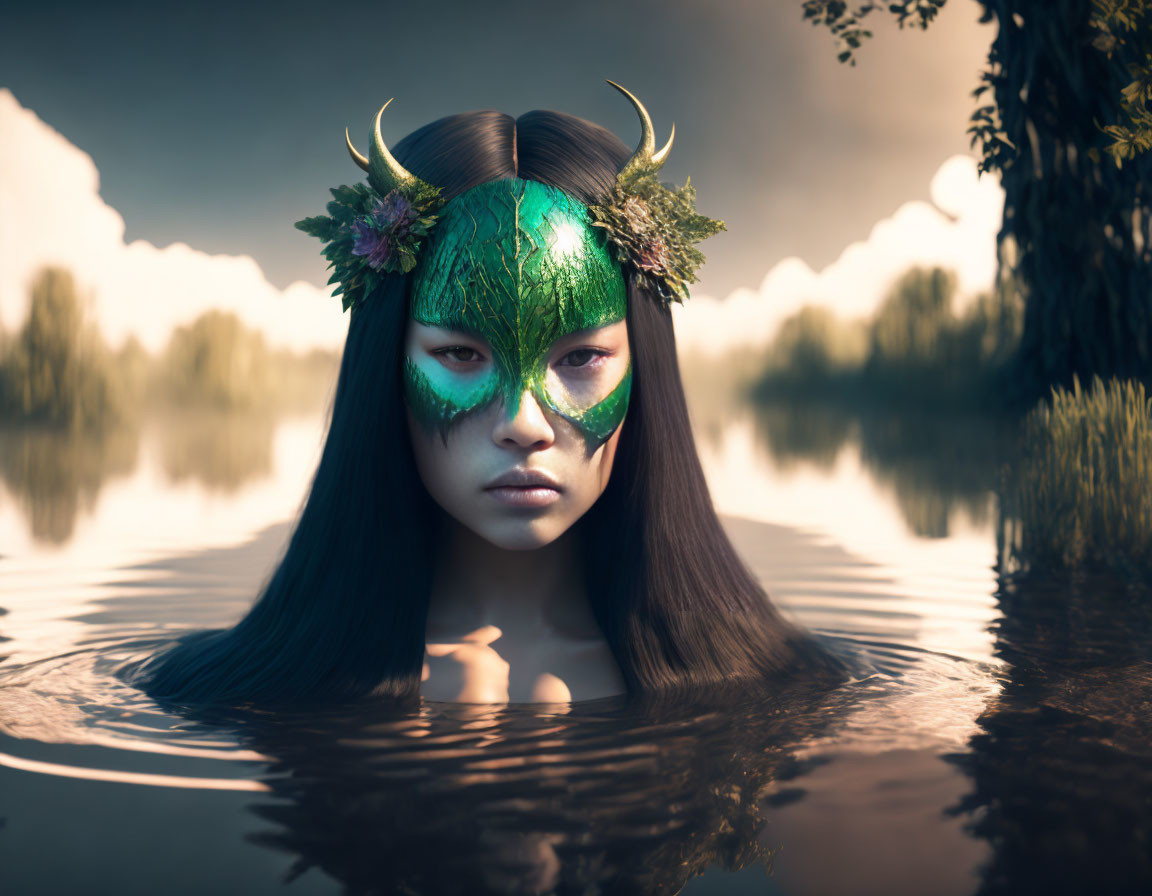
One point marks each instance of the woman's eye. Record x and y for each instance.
(461, 354)
(581, 357)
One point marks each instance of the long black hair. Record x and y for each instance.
(343, 615)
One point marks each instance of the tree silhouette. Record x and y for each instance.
(1066, 126)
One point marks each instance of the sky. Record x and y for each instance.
(191, 138)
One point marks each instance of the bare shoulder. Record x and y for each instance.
(466, 669)
(572, 671)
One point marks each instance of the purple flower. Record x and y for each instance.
(387, 223)
(392, 210)
(369, 241)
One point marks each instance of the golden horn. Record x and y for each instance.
(385, 174)
(660, 157)
(360, 160)
(644, 154)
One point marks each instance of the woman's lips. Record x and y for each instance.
(524, 488)
(524, 496)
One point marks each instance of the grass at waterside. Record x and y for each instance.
(1080, 496)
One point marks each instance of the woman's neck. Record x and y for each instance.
(523, 593)
(513, 626)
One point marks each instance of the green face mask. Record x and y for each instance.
(516, 263)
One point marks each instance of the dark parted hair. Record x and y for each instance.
(343, 615)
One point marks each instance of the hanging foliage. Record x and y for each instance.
(1063, 118)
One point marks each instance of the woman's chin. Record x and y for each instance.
(526, 536)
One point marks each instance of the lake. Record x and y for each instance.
(994, 739)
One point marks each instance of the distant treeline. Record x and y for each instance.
(56, 369)
(1076, 490)
(915, 349)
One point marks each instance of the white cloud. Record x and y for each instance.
(51, 213)
(957, 231)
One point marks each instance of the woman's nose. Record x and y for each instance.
(526, 428)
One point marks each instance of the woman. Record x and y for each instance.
(509, 505)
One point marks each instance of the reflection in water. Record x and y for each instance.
(54, 474)
(220, 450)
(811, 433)
(1062, 772)
(933, 464)
(606, 798)
(939, 769)
(715, 387)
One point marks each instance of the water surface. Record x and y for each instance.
(994, 738)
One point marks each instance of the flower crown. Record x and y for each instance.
(377, 229)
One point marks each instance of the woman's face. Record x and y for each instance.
(516, 469)
(517, 372)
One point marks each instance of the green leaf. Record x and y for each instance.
(319, 226)
(346, 195)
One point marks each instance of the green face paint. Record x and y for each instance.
(517, 263)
